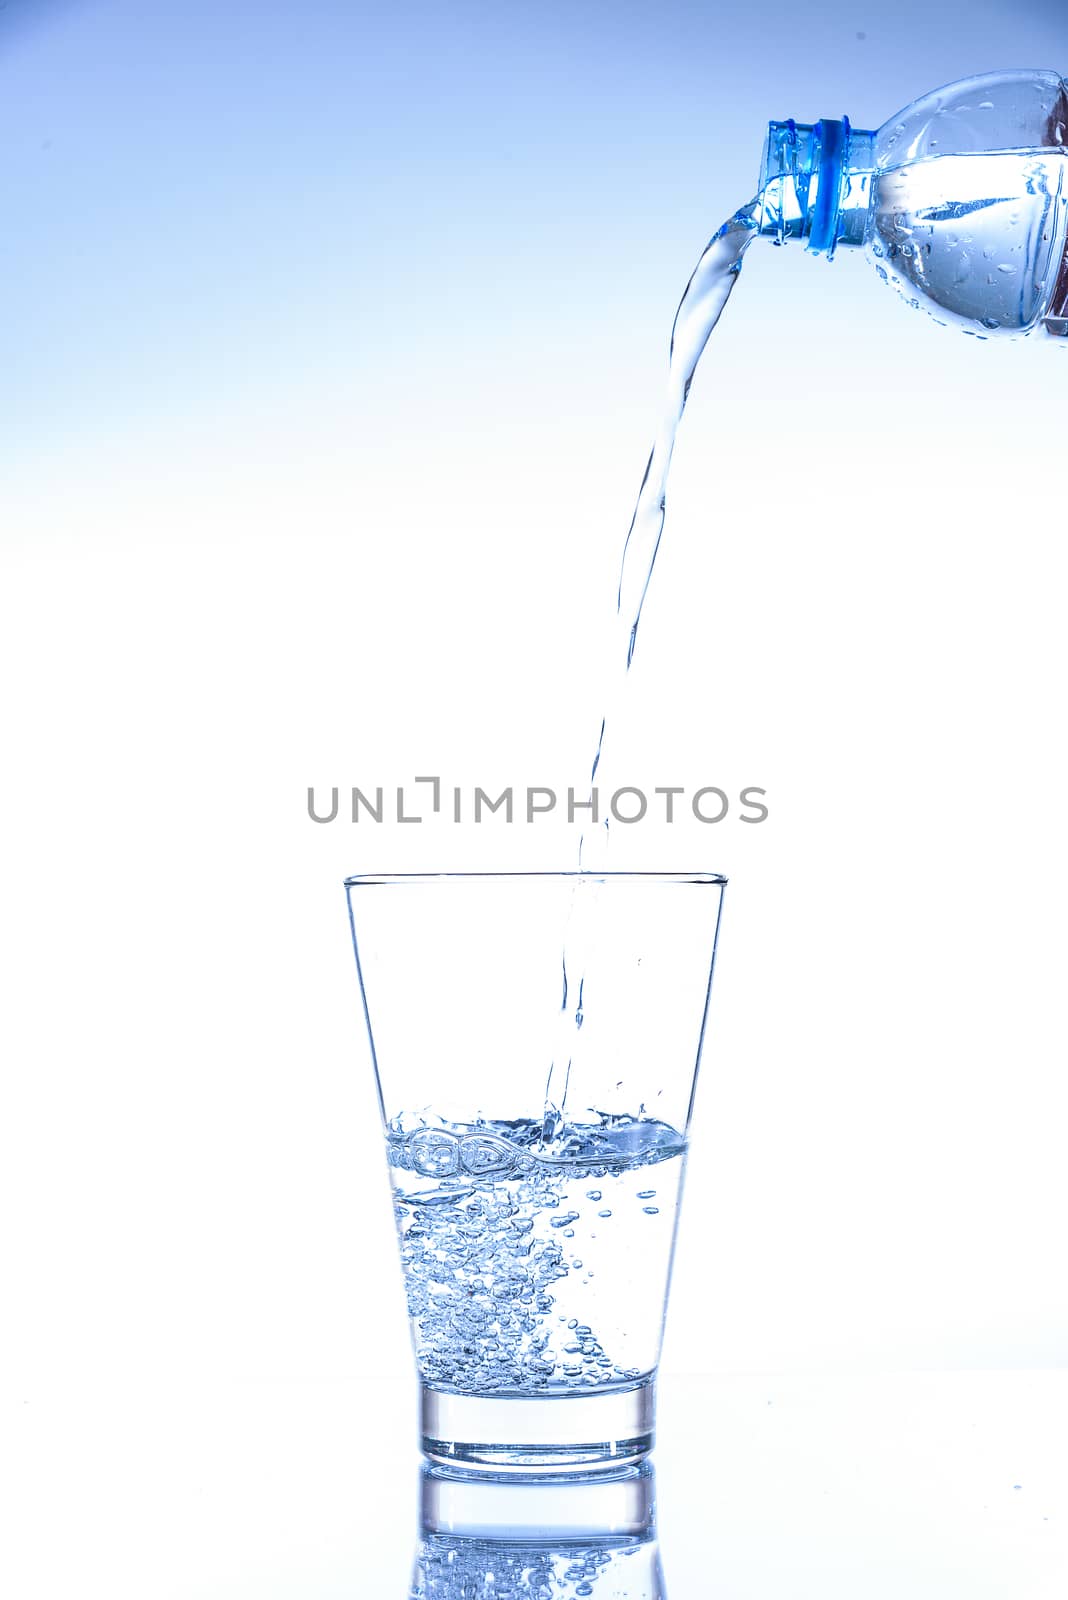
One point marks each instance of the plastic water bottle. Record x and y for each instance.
(960, 201)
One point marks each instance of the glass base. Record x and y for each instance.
(506, 1433)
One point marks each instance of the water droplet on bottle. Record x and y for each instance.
(651, 1211)
(990, 322)
(1006, 266)
(986, 105)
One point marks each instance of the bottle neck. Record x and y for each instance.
(815, 183)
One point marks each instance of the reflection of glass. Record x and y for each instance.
(538, 1539)
(536, 1039)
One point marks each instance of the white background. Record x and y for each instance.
(352, 551)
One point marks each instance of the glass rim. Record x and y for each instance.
(363, 880)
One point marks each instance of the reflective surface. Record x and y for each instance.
(948, 1486)
(482, 1539)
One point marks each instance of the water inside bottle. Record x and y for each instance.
(976, 240)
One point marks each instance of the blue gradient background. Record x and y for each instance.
(214, 200)
(332, 341)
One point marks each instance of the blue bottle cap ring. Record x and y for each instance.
(831, 141)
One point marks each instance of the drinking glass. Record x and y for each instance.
(535, 1039)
